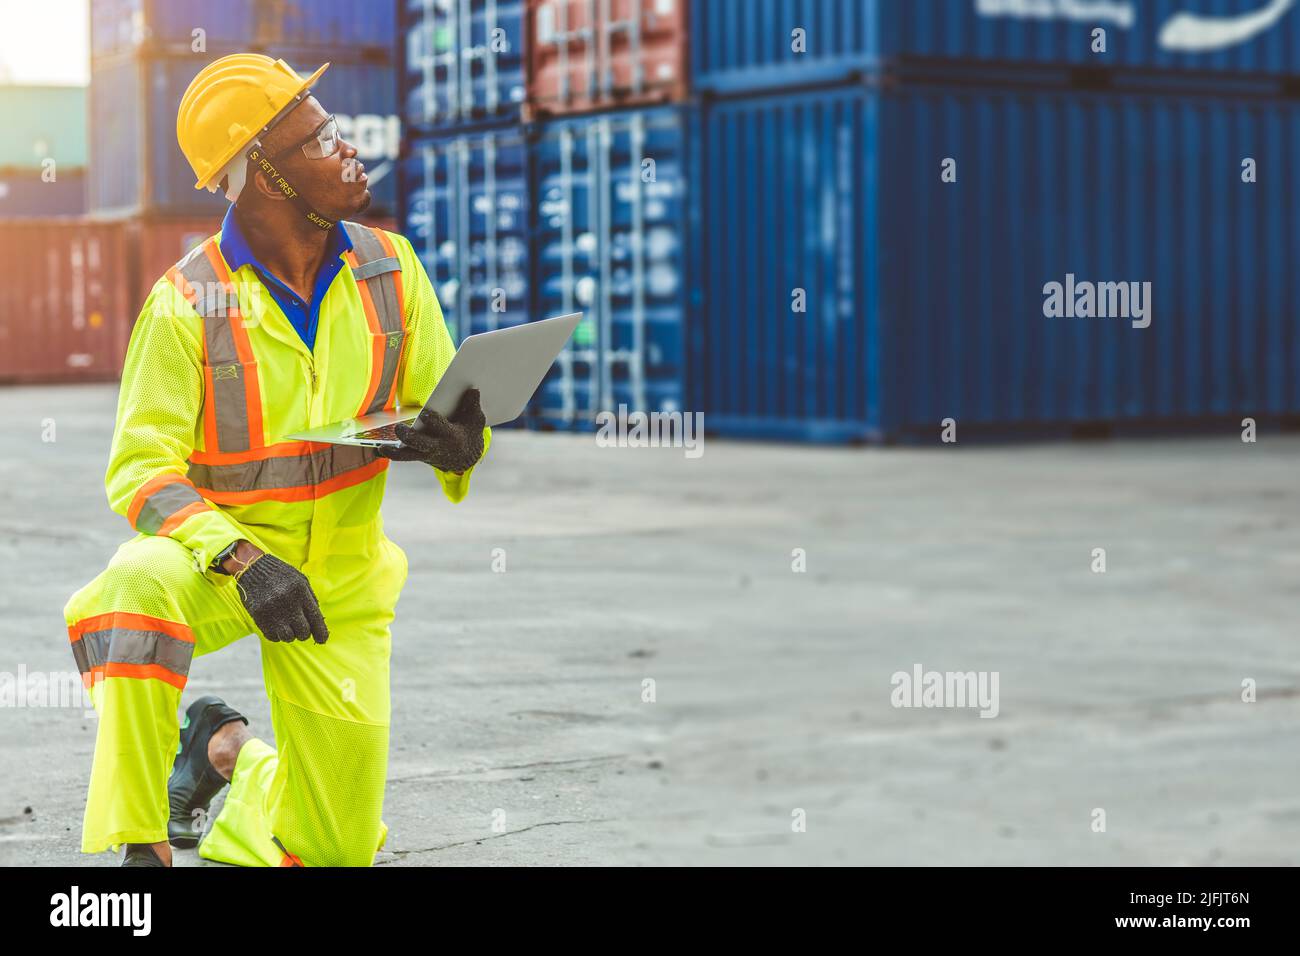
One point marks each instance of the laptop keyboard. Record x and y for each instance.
(383, 433)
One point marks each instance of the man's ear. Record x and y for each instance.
(264, 189)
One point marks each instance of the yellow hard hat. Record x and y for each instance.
(229, 103)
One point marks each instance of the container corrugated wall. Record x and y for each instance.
(466, 212)
(462, 62)
(924, 299)
(742, 45)
(27, 193)
(42, 122)
(137, 166)
(612, 196)
(64, 314)
(156, 27)
(616, 54)
(779, 345)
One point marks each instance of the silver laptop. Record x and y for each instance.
(505, 365)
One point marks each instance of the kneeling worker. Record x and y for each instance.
(289, 318)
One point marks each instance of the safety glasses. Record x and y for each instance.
(322, 143)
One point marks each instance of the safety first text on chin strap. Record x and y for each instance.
(274, 177)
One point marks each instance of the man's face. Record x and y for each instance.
(336, 185)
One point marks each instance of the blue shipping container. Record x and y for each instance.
(156, 27)
(749, 45)
(27, 193)
(853, 291)
(612, 196)
(465, 208)
(462, 62)
(136, 165)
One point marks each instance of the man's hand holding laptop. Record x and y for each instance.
(450, 444)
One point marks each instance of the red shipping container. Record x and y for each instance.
(64, 309)
(633, 54)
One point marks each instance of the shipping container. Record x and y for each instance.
(612, 221)
(63, 301)
(752, 45)
(137, 167)
(29, 194)
(879, 262)
(466, 211)
(169, 27)
(43, 123)
(462, 62)
(620, 53)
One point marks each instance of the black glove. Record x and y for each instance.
(280, 601)
(451, 444)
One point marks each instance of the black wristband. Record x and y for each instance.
(220, 559)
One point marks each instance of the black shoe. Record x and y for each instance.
(194, 781)
(141, 854)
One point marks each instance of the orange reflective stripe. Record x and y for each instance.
(178, 518)
(125, 619)
(378, 342)
(377, 272)
(163, 502)
(243, 348)
(137, 671)
(209, 408)
(397, 276)
(391, 400)
(177, 278)
(313, 471)
(232, 410)
(123, 644)
(299, 492)
(281, 449)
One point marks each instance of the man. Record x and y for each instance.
(290, 317)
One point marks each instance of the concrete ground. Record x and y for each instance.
(518, 696)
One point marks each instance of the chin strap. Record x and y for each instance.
(273, 176)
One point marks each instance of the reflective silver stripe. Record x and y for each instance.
(163, 503)
(214, 302)
(377, 267)
(364, 242)
(120, 645)
(374, 269)
(392, 356)
(287, 471)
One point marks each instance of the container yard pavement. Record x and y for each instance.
(520, 731)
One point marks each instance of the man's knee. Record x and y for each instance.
(157, 563)
(128, 621)
(335, 772)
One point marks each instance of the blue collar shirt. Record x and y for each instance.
(303, 316)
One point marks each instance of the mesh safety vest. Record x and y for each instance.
(215, 374)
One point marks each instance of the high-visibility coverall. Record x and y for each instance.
(215, 374)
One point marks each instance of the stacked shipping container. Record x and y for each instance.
(878, 250)
(866, 206)
(546, 178)
(43, 151)
(63, 301)
(144, 54)
(82, 282)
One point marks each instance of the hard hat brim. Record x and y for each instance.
(288, 107)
